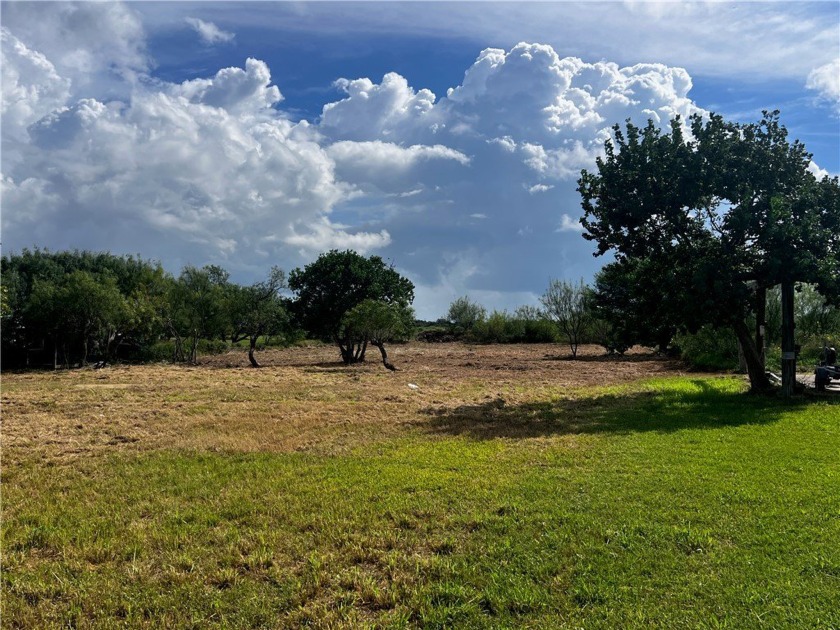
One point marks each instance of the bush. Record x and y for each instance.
(501, 327)
(709, 348)
(464, 314)
(212, 346)
(158, 352)
(539, 331)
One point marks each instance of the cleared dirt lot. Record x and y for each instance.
(302, 399)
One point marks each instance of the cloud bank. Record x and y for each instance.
(469, 191)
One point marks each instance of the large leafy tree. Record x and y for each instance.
(337, 282)
(730, 209)
(81, 310)
(79, 303)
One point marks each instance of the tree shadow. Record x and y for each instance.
(702, 406)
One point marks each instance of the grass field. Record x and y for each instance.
(510, 489)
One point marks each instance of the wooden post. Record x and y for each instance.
(788, 346)
(760, 323)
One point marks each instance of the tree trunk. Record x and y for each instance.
(761, 323)
(347, 356)
(194, 351)
(251, 349)
(384, 354)
(788, 342)
(759, 382)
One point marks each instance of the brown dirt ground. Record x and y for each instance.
(301, 399)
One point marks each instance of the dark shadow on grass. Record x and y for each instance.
(668, 410)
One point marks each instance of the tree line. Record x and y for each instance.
(71, 308)
(610, 314)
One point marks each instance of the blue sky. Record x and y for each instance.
(445, 137)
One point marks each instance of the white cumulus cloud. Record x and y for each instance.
(214, 170)
(99, 46)
(825, 80)
(390, 109)
(234, 88)
(32, 87)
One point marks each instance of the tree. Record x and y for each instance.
(627, 297)
(258, 310)
(566, 303)
(141, 284)
(197, 309)
(79, 311)
(335, 283)
(731, 212)
(377, 322)
(464, 314)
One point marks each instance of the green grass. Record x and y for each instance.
(677, 503)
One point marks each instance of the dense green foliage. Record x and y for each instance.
(376, 322)
(469, 321)
(62, 307)
(337, 282)
(464, 314)
(67, 308)
(715, 220)
(631, 300)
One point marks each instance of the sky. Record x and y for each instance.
(446, 138)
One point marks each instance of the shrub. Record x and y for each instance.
(212, 346)
(709, 349)
(157, 352)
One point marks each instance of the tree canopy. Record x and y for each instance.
(377, 322)
(337, 282)
(730, 209)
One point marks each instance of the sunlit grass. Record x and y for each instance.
(671, 503)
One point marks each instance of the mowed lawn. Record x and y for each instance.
(509, 489)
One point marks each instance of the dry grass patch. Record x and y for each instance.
(302, 399)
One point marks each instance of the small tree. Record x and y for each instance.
(198, 309)
(464, 314)
(337, 282)
(566, 303)
(377, 322)
(258, 310)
